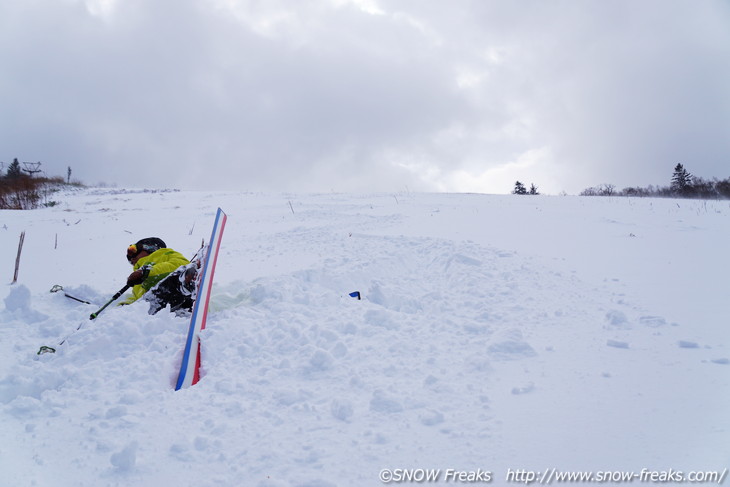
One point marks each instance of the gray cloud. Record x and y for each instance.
(360, 95)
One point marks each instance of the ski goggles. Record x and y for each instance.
(132, 252)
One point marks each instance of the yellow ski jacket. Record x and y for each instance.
(163, 262)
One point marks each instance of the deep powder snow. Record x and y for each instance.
(494, 333)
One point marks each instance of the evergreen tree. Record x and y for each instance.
(14, 171)
(681, 180)
(533, 189)
(519, 188)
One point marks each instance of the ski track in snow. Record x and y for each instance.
(472, 347)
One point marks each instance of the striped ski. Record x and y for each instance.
(190, 367)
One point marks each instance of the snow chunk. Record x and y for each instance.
(652, 321)
(116, 412)
(18, 299)
(320, 361)
(617, 318)
(342, 410)
(382, 403)
(464, 260)
(125, 459)
(512, 348)
(17, 304)
(526, 389)
(432, 418)
(617, 344)
(393, 300)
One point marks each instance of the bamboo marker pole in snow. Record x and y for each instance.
(17, 259)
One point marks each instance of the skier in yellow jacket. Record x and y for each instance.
(161, 276)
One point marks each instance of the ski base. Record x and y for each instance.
(190, 366)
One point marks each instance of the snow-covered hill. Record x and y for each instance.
(495, 333)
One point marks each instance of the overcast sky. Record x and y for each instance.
(367, 95)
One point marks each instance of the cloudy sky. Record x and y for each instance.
(367, 95)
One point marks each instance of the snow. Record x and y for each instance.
(494, 333)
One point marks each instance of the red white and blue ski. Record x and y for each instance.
(190, 367)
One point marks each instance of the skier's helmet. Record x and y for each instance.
(149, 245)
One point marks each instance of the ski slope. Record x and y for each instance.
(494, 333)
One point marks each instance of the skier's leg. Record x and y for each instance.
(162, 294)
(159, 296)
(176, 290)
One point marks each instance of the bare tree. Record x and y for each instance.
(608, 190)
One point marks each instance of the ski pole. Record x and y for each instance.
(57, 288)
(47, 349)
(114, 298)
